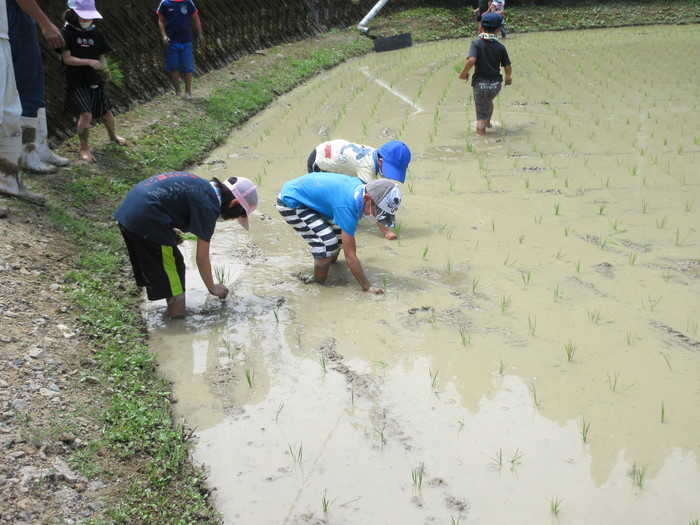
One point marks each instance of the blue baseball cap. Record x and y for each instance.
(395, 158)
(491, 21)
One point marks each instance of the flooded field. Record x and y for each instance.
(535, 356)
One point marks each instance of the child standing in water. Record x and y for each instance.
(83, 57)
(487, 55)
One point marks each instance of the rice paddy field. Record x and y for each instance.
(535, 355)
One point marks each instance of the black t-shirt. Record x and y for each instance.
(89, 44)
(490, 55)
(172, 200)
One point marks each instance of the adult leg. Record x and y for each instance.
(188, 85)
(175, 79)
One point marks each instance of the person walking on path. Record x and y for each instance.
(341, 156)
(487, 55)
(23, 17)
(157, 210)
(10, 129)
(175, 21)
(325, 209)
(83, 57)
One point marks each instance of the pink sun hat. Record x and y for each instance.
(85, 9)
(247, 194)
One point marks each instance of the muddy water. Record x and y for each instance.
(537, 344)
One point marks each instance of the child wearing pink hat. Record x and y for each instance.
(82, 59)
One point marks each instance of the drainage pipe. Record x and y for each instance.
(373, 12)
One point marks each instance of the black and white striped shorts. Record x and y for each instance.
(323, 237)
(87, 99)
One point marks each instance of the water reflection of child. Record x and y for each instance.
(486, 56)
(325, 209)
(82, 58)
(155, 212)
(341, 156)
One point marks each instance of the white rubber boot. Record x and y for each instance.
(42, 142)
(10, 150)
(30, 159)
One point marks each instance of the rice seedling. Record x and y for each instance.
(515, 458)
(577, 264)
(475, 283)
(680, 241)
(493, 225)
(632, 257)
(615, 225)
(250, 376)
(601, 208)
(567, 230)
(668, 362)
(570, 348)
(279, 410)
(425, 252)
(661, 224)
(559, 254)
(502, 366)
(221, 274)
(555, 506)
(557, 207)
(695, 521)
(526, 183)
(585, 427)
(325, 503)
(532, 325)
(526, 277)
(612, 381)
(556, 292)
(594, 315)
(689, 205)
(296, 452)
(691, 326)
(663, 412)
(433, 378)
(630, 338)
(653, 303)
(410, 186)
(275, 312)
(455, 521)
(417, 476)
(533, 391)
(380, 432)
(667, 274)
(448, 266)
(322, 362)
(508, 262)
(645, 205)
(464, 336)
(521, 238)
(297, 337)
(431, 318)
(538, 219)
(497, 459)
(505, 303)
(638, 475)
(112, 72)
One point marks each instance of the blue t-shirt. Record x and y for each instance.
(172, 200)
(336, 197)
(178, 25)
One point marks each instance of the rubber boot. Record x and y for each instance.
(176, 306)
(10, 184)
(30, 159)
(42, 142)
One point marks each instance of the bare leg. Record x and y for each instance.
(188, 85)
(175, 79)
(481, 127)
(176, 306)
(109, 124)
(321, 267)
(488, 122)
(83, 135)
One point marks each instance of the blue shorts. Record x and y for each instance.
(178, 57)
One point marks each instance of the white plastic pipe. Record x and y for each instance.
(373, 12)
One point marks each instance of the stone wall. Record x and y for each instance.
(232, 28)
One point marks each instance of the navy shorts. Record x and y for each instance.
(178, 57)
(160, 269)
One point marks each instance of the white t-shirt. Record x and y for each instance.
(347, 158)
(3, 21)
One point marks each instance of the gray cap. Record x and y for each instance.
(387, 196)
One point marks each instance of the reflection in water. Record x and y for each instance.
(537, 341)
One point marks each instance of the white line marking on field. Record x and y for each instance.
(393, 91)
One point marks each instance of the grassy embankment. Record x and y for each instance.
(138, 425)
